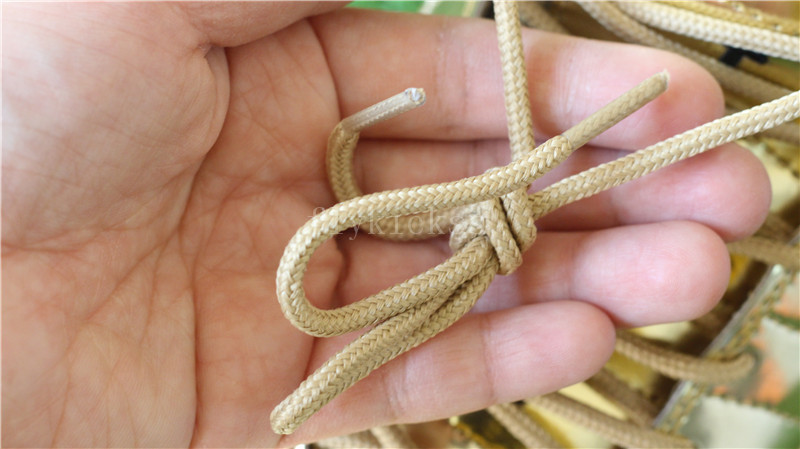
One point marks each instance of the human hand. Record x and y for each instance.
(153, 178)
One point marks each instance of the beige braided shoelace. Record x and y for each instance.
(491, 218)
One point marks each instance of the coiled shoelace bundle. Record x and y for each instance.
(490, 217)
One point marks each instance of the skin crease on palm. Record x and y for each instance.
(158, 157)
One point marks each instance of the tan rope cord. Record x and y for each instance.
(514, 229)
(775, 227)
(441, 220)
(677, 365)
(777, 74)
(521, 426)
(684, 145)
(494, 226)
(787, 132)
(706, 28)
(393, 203)
(781, 75)
(740, 14)
(768, 251)
(624, 433)
(341, 147)
(534, 15)
(394, 437)
(515, 79)
(639, 410)
(376, 347)
(636, 406)
(630, 30)
(710, 324)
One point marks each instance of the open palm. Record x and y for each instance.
(158, 157)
